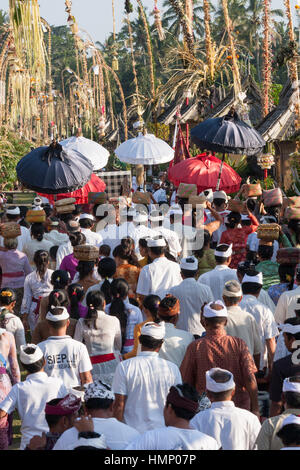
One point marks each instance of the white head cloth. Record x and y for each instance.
(220, 195)
(258, 279)
(63, 316)
(140, 218)
(175, 209)
(86, 216)
(224, 254)
(153, 242)
(190, 263)
(98, 389)
(13, 211)
(155, 330)
(30, 358)
(97, 442)
(288, 328)
(232, 289)
(289, 386)
(2, 330)
(245, 217)
(218, 387)
(209, 312)
(291, 419)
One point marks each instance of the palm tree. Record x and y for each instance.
(172, 23)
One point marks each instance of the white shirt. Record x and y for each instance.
(141, 231)
(171, 438)
(92, 238)
(34, 245)
(14, 325)
(281, 349)
(253, 244)
(242, 324)
(63, 251)
(158, 277)
(145, 380)
(265, 299)
(216, 279)
(160, 195)
(110, 236)
(23, 239)
(264, 318)
(175, 343)
(29, 398)
(191, 295)
(287, 304)
(65, 358)
(172, 239)
(216, 236)
(233, 428)
(117, 435)
(56, 238)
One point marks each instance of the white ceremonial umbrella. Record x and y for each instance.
(145, 150)
(97, 154)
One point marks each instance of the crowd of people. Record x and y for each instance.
(182, 333)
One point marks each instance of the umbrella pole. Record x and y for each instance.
(220, 173)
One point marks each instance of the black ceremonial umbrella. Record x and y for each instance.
(54, 170)
(227, 134)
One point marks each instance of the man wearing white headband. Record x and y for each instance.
(30, 397)
(240, 323)
(157, 219)
(191, 295)
(65, 357)
(241, 428)
(287, 366)
(267, 438)
(251, 286)
(140, 230)
(86, 222)
(142, 383)
(288, 301)
(217, 349)
(13, 214)
(99, 402)
(290, 433)
(216, 278)
(159, 276)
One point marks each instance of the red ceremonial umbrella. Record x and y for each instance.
(95, 185)
(203, 170)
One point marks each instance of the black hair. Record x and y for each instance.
(105, 250)
(274, 211)
(287, 270)
(251, 204)
(218, 201)
(119, 290)
(294, 225)
(47, 209)
(233, 218)
(98, 403)
(206, 242)
(151, 302)
(85, 268)
(5, 299)
(158, 250)
(95, 301)
(292, 399)
(41, 260)
(149, 342)
(13, 216)
(290, 434)
(86, 223)
(36, 366)
(107, 269)
(216, 321)
(265, 252)
(76, 294)
(77, 238)
(57, 298)
(37, 231)
(60, 279)
(126, 251)
(53, 252)
(143, 242)
(250, 288)
(65, 217)
(295, 321)
(190, 393)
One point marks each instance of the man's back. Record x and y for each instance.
(232, 427)
(287, 304)
(118, 435)
(158, 277)
(217, 349)
(145, 380)
(191, 295)
(243, 325)
(216, 279)
(65, 358)
(267, 438)
(175, 343)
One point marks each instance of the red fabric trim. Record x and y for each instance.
(102, 358)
